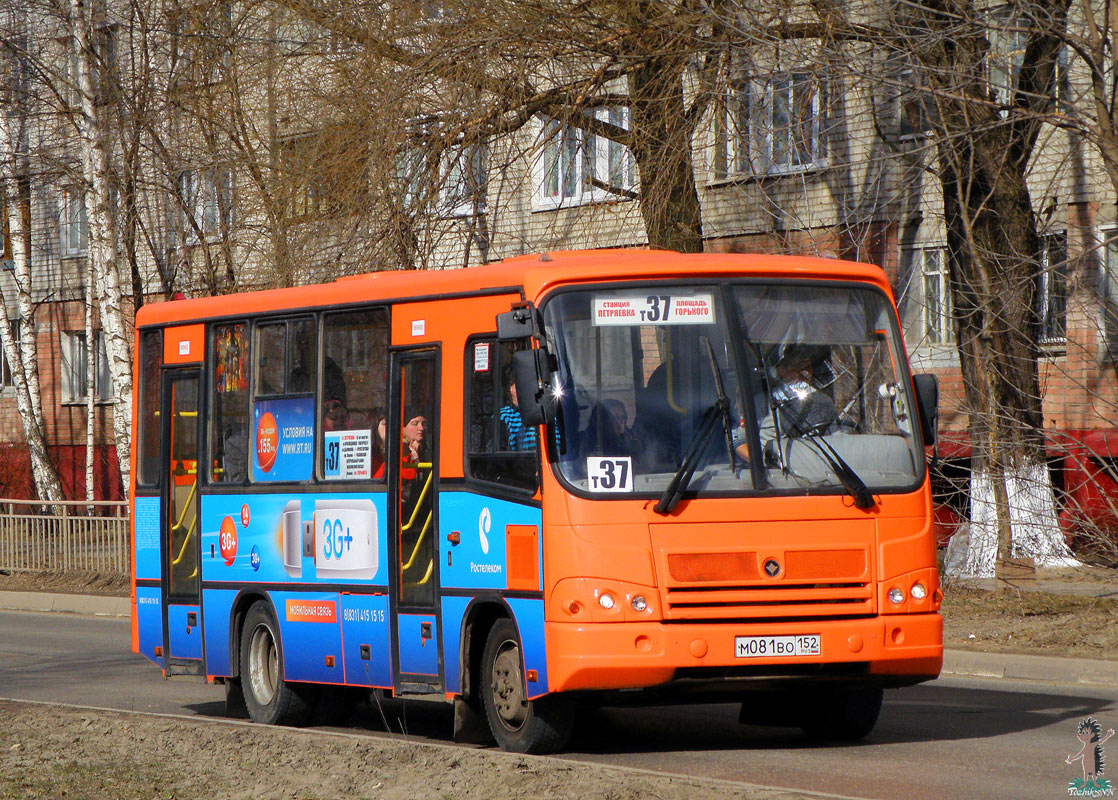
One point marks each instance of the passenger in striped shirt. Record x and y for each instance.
(517, 435)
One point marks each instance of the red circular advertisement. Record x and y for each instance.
(228, 539)
(244, 516)
(267, 441)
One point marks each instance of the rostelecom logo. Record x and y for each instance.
(1093, 760)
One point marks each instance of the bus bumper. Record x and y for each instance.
(886, 650)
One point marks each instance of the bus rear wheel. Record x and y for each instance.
(270, 699)
(518, 724)
(842, 714)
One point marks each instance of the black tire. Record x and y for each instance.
(270, 699)
(842, 714)
(519, 725)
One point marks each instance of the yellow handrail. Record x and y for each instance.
(419, 541)
(422, 495)
(190, 531)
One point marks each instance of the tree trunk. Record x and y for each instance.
(93, 135)
(22, 355)
(991, 231)
(669, 199)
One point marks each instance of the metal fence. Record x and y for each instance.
(64, 537)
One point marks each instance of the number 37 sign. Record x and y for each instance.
(609, 474)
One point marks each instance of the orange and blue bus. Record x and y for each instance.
(555, 481)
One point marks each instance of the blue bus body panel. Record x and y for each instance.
(183, 640)
(218, 604)
(453, 610)
(149, 621)
(529, 615)
(309, 632)
(478, 561)
(365, 623)
(418, 655)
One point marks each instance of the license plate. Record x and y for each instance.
(806, 644)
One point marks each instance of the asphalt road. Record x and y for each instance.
(953, 738)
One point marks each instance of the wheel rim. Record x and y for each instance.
(508, 686)
(263, 665)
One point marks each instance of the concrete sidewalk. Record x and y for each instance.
(956, 663)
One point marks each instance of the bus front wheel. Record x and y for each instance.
(518, 724)
(842, 714)
(270, 699)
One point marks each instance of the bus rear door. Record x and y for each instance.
(182, 580)
(413, 434)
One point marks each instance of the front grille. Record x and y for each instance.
(769, 601)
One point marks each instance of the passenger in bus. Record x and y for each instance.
(334, 412)
(515, 434)
(413, 447)
(609, 433)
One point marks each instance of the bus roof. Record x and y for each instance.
(531, 274)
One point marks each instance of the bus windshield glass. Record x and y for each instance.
(812, 375)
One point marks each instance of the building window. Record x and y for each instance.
(579, 167)
(324, 174)
(465, 181)
(207, 203)
(1109, 290)
(6, 378)
(937, 296)
(1052, 288)
(75, 369)
(73, 223)
(770, 125)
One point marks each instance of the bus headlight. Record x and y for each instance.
(605, 600)
(918, 591)
(639, 603)
(896, 595)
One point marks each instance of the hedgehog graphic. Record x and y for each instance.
(1090, 754)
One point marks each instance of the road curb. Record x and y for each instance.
(95, 605)
(1017, 667)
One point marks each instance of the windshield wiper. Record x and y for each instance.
(720, 411)
(850, 480)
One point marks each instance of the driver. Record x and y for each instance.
(795, 401)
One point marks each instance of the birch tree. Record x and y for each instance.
(21, 351)
(94, 142)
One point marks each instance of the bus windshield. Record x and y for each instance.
(813, 377)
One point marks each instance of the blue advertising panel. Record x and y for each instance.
(419, 655)
(533, 648)
(257, 538)
(219, 608)
(146, 520)
(478, 561)
(283, 439)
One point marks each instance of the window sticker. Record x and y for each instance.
(654, 309)
(481, 357)
(609, 474)
(347, 455)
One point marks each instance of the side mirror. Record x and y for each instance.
(927, 401)
(531, 371)
(520, 323)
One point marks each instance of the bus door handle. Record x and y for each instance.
(191, 620)
(425, 630)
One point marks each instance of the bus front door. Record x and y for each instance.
(182, 580)
(413, 500)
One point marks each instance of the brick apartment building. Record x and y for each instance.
(516, 195)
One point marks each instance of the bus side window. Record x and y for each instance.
(499, 447)
(229, 403)
(353, 395)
